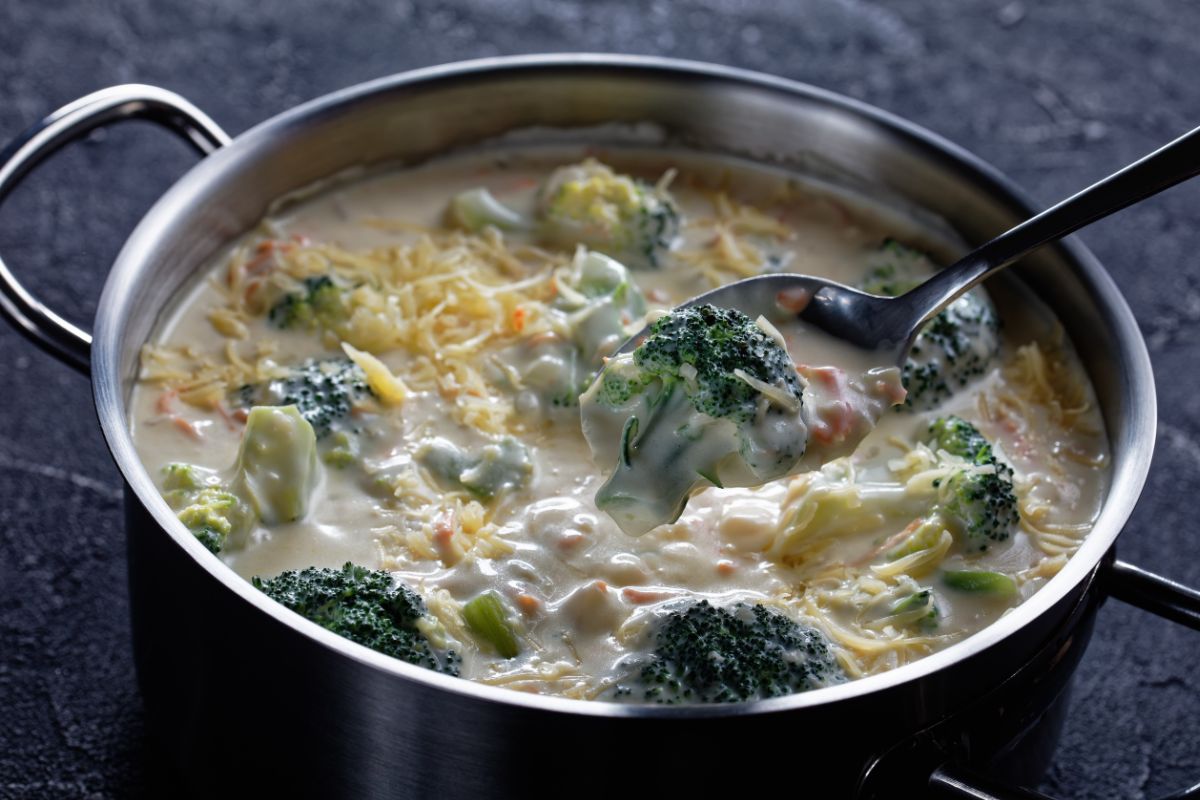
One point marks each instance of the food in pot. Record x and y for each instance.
(370, 406)
(711, 397)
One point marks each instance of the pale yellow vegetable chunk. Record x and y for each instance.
(277, 467)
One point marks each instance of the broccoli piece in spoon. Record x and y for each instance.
(711, 397)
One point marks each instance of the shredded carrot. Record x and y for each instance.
(519, 315)
(232, 420)
(186, 428)
(634, 595)
(251, 290)
(443, 535)
(166, 401)
(528, 604)
(821, 432)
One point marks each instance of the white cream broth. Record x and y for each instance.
(581, 594)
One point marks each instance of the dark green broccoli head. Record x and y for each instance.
(318, 303)
(955, 347)
(705, 654)
(363, 605)
(979, 502)
(322, 390)
(715, 342)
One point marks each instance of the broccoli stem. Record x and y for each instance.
(654, 447)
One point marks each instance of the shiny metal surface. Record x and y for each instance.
(47, 329)
(888, 325)
(214, 654)
(1155, 594)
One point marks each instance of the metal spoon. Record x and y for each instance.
(887, 326)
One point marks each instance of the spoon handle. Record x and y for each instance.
(1162, 169)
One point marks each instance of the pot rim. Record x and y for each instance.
(116, 299)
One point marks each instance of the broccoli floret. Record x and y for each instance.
(895, 269)
(710, 397)
(319, 303)
(496, 467)
(608, 307)
(717, 344)
(342, 450)
(955, 347)
(277, 468)
(211, 512)
(977, 501)
(211, 538)
(590, 204)
(706, 654)
(363, 605)
(958, 437)
(214, 515)
(272, 481)
(980, 505)
(598, 307)
(183, 477)
(323, 390)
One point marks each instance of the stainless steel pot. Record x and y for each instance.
(243, 693)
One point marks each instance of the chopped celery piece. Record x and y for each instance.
(972, 580)
(485, 617)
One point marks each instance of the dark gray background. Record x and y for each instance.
(1055, 94)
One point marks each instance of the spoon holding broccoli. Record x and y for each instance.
(708, 395)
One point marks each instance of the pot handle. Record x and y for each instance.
(1125, 582)
(63, 340)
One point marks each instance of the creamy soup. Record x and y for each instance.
(423, 344)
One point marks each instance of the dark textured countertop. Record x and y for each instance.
(1055, 94)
